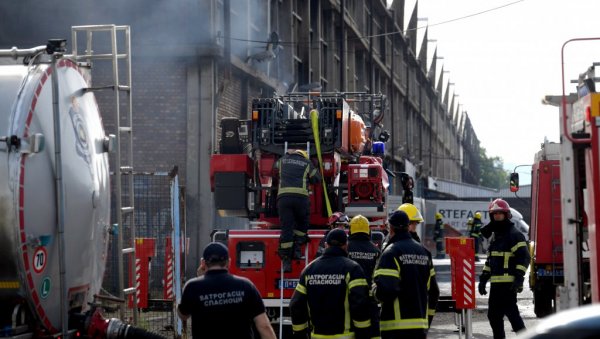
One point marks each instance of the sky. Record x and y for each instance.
(503, 57)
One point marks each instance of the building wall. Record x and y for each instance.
(194, 63)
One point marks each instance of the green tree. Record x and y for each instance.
(493, 174)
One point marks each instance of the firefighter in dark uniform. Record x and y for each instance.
(475, 232)
(331, 299)
(214, 297)
(474, 228)
(505, 267)
(362, 250)
(438, 236)
(405, 283)
(293, 203)
(414, 217)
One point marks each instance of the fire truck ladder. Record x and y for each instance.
(123, 158)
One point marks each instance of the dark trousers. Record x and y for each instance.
(476, 242)
(374, 330)
(503, 302)
(439, 249)
(294, 212)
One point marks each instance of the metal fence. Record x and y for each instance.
(158, 207)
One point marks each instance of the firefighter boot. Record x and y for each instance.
(298, 242)
(286, 259)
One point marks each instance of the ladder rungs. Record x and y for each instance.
(125, 129)
(124, 88)
(126, 210)
(130, 290)
(128, 250)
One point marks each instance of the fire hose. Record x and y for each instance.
(98, 327)
(314, 117)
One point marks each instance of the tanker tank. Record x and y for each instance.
(30, 260)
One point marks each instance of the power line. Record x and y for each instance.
(382, 34)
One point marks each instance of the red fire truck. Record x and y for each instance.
(545, 232)
(344, 138)
(574, 166)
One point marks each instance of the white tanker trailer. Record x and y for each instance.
(54, 199)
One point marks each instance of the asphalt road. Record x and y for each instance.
(445, 324)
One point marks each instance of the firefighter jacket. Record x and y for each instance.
(475, 231)
(438, 231)
(294, 172)
(362, 250)
(332, 297)
(508, 254)
(405, 285)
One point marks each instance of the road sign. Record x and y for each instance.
(40, 257)
(45, 287)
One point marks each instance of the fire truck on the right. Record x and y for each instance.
(565, 213)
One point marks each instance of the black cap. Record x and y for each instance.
(214, 252)
(337, 237)
(398, 219)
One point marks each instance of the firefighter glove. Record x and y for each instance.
(517, 285)
(483, 279)
(481, 287)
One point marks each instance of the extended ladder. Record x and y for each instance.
(123, 159)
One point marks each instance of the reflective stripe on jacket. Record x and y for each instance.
(331, 297)
(405, 285)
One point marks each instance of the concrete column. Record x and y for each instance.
(201, 116)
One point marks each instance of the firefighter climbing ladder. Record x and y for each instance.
(281, 270)
(123, 159)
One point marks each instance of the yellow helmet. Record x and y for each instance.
(477, 215)
(302, 153)
(438, 216)
(412, 211)
(359, 224)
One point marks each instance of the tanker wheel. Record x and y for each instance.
(542, 300)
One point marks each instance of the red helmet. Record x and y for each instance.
(499, 205)
(338, 218)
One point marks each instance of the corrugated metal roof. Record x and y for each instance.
(463, 190)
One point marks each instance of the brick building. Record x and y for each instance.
(195, 62)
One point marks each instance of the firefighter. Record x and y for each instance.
(212, 298)
(475, 233)
(362, 250)
(405, 284)
(331, 299)
(469, 226)
(477, 224)
(293, 203)
(414, 216)
(438, 236)
(505, 268)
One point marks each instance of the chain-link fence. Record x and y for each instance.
(158, 207)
